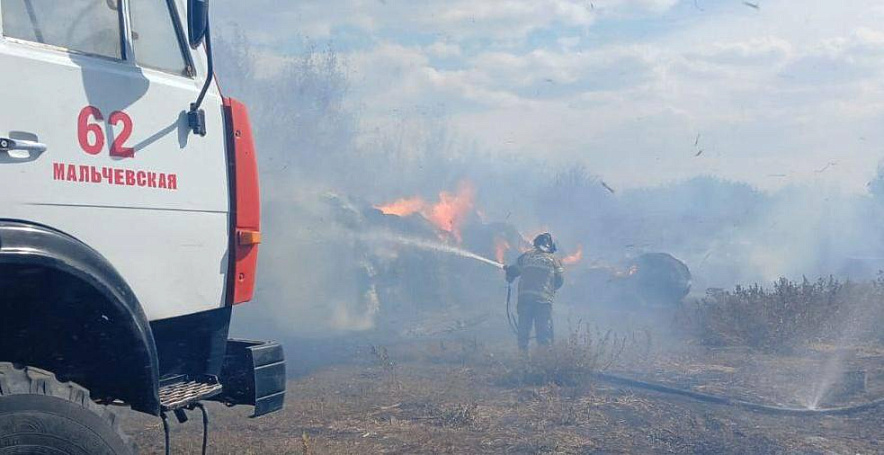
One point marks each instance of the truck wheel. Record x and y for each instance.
(41, 415)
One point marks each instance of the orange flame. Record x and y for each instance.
(403, 207)
(632, 270)
(452, 210)
(447, 215)
(501, 246)
(574, 258)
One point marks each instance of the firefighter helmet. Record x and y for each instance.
(544, 242)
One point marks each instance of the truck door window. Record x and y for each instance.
(156, 37)
(88, 26)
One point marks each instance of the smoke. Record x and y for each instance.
(326, 267)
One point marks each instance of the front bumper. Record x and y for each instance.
(253, 374)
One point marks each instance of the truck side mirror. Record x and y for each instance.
(198, 31)
(197, 21)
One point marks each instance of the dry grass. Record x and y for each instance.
(569, 362)
(447, 396)
(459, 393)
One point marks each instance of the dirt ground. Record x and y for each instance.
(455, 395)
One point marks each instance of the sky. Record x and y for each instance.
(641, 92)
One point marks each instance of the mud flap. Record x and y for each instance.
(253, 374)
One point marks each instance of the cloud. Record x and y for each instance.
(764, 51)
(509, 19)
(613, 85)
(393, 78)
(393, 74)
(443, 49)
(505, 22)
(841, 60)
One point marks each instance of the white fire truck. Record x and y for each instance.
(129, 224)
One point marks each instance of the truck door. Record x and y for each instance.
(93, 96)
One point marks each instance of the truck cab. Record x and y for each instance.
(129, 210)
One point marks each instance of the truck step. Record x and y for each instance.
(254, 374)
(181, 391)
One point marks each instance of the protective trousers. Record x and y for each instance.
(538, 314)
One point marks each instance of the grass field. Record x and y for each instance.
(455, 394)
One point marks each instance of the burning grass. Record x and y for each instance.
(448, 214)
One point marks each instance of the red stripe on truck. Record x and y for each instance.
(246, 205)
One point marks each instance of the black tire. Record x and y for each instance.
(41, 415)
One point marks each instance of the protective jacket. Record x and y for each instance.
(542, 274)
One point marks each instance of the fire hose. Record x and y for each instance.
(708, 398)
(509, 313)
(727, 401)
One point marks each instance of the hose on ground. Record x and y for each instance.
(205, 426)
(707, 398)
(727, 401)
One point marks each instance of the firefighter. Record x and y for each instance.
(541, 276)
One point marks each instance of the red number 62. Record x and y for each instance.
(91, 135)
(84, 128)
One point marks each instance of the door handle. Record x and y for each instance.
(33, 147)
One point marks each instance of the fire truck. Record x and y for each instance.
(129, 225)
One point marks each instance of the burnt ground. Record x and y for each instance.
(454, 394)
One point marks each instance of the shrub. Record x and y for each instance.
(790, 314)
